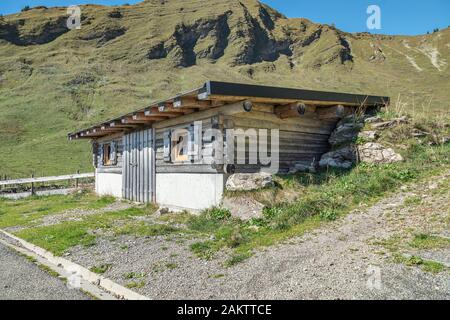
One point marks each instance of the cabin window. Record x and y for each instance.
(109, 154)
(179, 145)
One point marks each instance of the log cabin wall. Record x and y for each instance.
(301, 139)
(163, 165)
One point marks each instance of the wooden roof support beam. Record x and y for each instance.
(277, 101)
(94, 134)
(190, 102)
(292, 110)
(105, 128)
(91, 134)
(131, 120)
(168, 107)
(217, 103)
(140, 116)
(154, 113)
(108, 129)
(334, 112)
(117, 124)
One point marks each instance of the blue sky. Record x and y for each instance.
(407, 17)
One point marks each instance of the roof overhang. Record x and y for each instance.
(215, 94)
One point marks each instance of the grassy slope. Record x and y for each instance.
(41, 98)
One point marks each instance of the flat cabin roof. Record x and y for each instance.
(215, 94)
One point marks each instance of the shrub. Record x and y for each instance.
(26, 8)
(328, 214)
(271, 212)
(218, 213)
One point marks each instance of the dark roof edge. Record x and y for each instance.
(262, 91)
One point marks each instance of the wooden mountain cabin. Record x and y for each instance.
(165, 153)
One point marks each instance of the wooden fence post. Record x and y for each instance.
(76, 180)
(33, 192)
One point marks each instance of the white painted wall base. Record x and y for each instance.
(195, 191)
(108, 184)
(192, 191)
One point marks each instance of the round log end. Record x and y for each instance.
(301, 108)
(247, 105)
(230, 168)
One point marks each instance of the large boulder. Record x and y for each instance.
(244, 208)
(376, 153)
(343, 158)
(346, 132)
(249, 181)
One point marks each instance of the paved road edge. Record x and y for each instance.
(96, 285)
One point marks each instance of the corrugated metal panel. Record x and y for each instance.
(138, 166)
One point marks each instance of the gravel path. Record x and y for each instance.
(338, 261)
(21, 279)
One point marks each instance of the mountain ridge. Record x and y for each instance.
(54, 80)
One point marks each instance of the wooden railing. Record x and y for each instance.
(34, 180)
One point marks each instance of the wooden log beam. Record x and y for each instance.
(140, 116)
(108, 129)
(131, 120)
(168, 107)
(334, 112)
(230, 109)
(117, 124)
(190, 103)
(279, 101)
(154, 113)
(292, 110)
(93, 133)
(105, 129)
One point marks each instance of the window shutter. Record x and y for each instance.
(95, 154)
(100, 156)
(195, 141)
(113, 153)
(167, 146)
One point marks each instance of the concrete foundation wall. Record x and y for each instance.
(193, 191)
(108, 184)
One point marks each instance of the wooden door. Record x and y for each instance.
(138, 176)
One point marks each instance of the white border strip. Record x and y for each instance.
(85, 274)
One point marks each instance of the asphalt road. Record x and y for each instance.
(21, 279)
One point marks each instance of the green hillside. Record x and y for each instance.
(54, 80)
